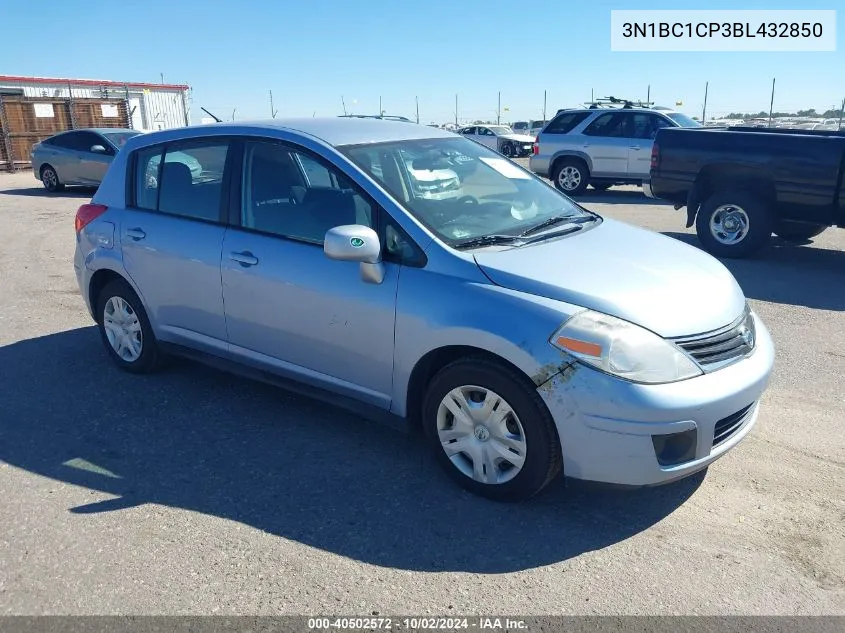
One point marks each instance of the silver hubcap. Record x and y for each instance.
(123, 329)
(481, 434)
(49, 177)
(569, 178)
(729, 224)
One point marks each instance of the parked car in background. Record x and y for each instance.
(535, 127)
(500, 138)
(740, 185)
(521, 127)
(601, 147)
(77, 157)
(312, 257)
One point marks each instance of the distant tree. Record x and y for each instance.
(831, 114)
(811, 112)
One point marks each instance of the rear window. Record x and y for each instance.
(565, 123)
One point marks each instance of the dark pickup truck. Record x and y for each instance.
(740, 185)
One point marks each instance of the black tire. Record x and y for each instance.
(542, 447)
(600, 186)
(150, 356)
(798, 231)
(508, 149)
(751, 206)
(50, 179)
(579, 176)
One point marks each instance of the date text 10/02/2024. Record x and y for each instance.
(416, 623)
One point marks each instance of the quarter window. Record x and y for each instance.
(187, 182)
(295, 195)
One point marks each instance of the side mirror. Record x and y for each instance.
(356, 243)
(98, 149)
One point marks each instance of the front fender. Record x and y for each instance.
(509, 324)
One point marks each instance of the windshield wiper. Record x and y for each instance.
(557, 219)
(487, 240)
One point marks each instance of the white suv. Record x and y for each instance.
(601, 147)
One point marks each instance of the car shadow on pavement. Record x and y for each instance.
(41, 192)
(196, 438)
(801, 275)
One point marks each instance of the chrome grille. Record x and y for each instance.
(720, 348)
(731, 424)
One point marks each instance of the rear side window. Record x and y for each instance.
(182, 179)
(66, 141)
(608, 125)
(565, 123)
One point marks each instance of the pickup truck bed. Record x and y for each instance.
(740, 185)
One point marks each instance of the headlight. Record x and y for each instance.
(623, 349)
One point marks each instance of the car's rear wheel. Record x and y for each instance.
(570, 176)
(490, 430)
(798, 231)
(50, 179)
(125, 329)
(734, 223)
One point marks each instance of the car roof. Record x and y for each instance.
(335, 131)
(635, 109)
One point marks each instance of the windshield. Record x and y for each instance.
(118, 139)
(460, 189)
(682, 119)
(500, 129)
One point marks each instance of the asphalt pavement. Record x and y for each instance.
(196, 492)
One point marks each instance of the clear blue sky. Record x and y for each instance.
(310, 52)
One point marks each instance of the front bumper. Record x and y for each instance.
(606, 425)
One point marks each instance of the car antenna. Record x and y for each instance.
(219, 120)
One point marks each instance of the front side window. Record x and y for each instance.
(462, 190)
(183, 179)
(293, 194)
(468, 130)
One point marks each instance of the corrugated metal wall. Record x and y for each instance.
(160, 109)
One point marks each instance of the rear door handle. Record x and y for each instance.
(636, 147)
(244, 259)
(136, 234)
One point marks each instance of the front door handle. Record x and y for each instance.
(636, 147)
(136, 234)
(244, 258)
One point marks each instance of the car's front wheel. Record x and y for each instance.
(125, 329)
(508, 149)
(490, 430)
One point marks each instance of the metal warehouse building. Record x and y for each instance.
(33, 108)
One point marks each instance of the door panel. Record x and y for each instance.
(606, 145)
(171, 247)
(289, 307)
(310, 317)
(175, 262)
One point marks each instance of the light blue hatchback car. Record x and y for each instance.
(523, 333)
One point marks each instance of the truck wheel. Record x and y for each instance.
(797, 231)
(571, 176)
(733, 223)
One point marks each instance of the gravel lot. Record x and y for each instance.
(194, 492)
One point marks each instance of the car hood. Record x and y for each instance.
(660, 283)
(520, 138)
